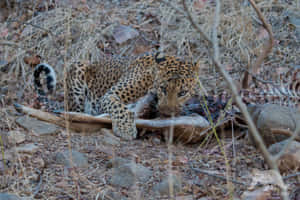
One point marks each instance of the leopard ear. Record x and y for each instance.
(159, 57)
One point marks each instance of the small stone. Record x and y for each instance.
(16, 137)
(7, 196)
(79, 159)
(108, 138)
(126, 175)
(163, 187)
(117, 162)
(111, 195)
(28, 148)
(268, 117)
(37, 126)
(263, 193)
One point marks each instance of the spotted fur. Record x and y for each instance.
(50, 78)
(110, 84)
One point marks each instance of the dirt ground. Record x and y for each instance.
(61, 32)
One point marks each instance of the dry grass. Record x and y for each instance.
(63, 35)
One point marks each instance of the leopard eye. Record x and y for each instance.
(182, 93)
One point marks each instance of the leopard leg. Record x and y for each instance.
(123, 121)
(128, 89)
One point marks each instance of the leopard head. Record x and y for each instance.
(175, 82)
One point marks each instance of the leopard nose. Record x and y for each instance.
(168, 111)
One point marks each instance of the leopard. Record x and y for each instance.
(111, 84)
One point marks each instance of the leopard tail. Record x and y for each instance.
(50, 78)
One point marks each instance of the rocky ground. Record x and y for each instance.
(43, 161)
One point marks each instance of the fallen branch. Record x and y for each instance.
(59, 119)
(188, 128)
(280, 131)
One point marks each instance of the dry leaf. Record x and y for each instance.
(32, 60)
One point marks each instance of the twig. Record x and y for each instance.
(8, 43)
(281, 131)
(266, 48)
(218, 176)
(52, 35)
(33, 25)
(215, 30)
(291, 175)
(38, 187)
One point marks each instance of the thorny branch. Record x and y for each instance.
(269, 159)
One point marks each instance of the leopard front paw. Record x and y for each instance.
(125, 127)
(127, 132)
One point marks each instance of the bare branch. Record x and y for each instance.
(215, 30)
(291, 175)
(33, 25)
(219, 176)
(266, 48)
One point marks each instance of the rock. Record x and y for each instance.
(16, 137)
(126, 174)
(111, 195)
(268, 117)
(263, 193)
(163, 187)
(7, 196)
(27, 148)
(117, 162)
(108, 138)
(79, 159)
(294, 19)
(123, 33)
(290, 159)
(37, 126)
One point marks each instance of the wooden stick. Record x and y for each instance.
(80, 119)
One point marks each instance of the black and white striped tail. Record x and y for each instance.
(50, 78)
